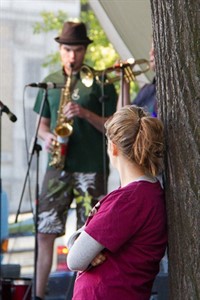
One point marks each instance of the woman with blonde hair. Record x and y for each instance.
(120, 247)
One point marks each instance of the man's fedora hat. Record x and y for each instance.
(73, 34)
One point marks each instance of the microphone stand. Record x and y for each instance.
(35, 148)
(102, 100)
(13, 118)
(122, 73)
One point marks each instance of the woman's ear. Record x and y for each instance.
(114, 149)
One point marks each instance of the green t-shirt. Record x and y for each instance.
(85, 149)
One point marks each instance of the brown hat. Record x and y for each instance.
(73, 34)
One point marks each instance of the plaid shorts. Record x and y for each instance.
(59, 189)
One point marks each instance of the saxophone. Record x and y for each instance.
(63, 128)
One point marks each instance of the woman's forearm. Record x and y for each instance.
(83, 251)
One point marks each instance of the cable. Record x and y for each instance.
(27, 149)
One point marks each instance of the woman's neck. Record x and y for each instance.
(129, 171)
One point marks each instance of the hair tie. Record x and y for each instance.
(140, 113)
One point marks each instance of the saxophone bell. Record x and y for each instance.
(63, 131)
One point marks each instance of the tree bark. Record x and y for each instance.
(176, 35)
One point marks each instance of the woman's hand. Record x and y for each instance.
(98, 260)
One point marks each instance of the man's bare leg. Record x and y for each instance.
(44, 262)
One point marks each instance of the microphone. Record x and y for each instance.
(47, 85)
(5, 109)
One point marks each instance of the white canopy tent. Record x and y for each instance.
(127, 24)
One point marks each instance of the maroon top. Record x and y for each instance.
(131, 223)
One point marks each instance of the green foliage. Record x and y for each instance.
(101, 53)
(51, 21)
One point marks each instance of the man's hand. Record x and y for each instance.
(50, 138)
(45, 133)
(72, 110)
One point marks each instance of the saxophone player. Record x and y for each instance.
(83, 173)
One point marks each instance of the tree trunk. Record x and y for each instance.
(176, 34)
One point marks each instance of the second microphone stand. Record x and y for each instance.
(36, 148)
